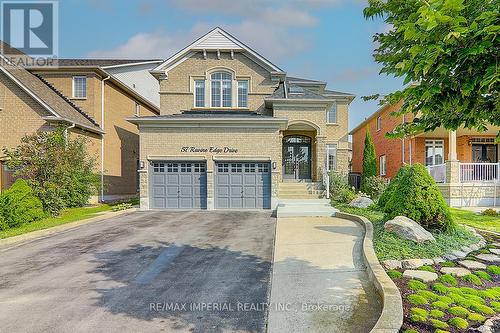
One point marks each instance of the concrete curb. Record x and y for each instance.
(24, 238)
(391, 318)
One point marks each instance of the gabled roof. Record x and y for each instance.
(217, 39)
(104, 62)
(47, 96)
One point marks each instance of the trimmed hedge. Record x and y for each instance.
(19, 205)
(416, 196)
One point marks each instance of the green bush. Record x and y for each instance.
(416, 299)
(121, 206)
(19, 205)
(416, 285)
(448, 279)
(493, 269)
(427, 269)
(469, 291)
(458, 311)
(445, 299)
(417, 196)
(495, 306)
(438, 323)
(440, 305)
(428, 295)
(448, 264)
(440, 288)
(419, 312)
(340, 191)
(410, 330)
(387, 194)
(476, 317)
(369, 162)
(375, 186)
(394, 274)
(488, 294)
(441, 331)
(434, 313)
(481, 308)
(474, 279)
(489, 212)
(459, 323)
(483, 275)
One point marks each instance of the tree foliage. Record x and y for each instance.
(449, 50)
(58, 169)
(369, 162)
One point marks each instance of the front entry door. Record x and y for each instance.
(296, 157)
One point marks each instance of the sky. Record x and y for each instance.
(327, 40)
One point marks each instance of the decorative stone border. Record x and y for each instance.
(391, 318)
(457, 254)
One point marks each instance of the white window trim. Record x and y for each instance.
(379, 123)
(237, 93)
(383, 166)
(336, 114)
(73, 86)
(432, 143)
(137, 109)
(205, 93)
(328, 147)
(221, 90)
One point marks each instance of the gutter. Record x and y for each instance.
(102, 138)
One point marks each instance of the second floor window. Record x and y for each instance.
(242, 94)
(332, 114)
(199, 90)
(379, 123)
(221, 94)
(79, 86)
(331, 154)
(382, 165)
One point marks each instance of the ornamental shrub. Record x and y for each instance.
(375, 186)
(489, 212)
(440, 288)
(417, 197)
(440, 305)
(387, 194)
(394, 274)
(459, 323)
(369, 162)
(493, 269)
(495, 306)
(481, 308)
(476, 317)
(416, 285)
(410, 330)
(429, 295)
(458, 311)
(445, 299)
(474, 279)
(438, 323)
(416, 299)
(339, 188)
(469, 291)
(419, 312)
(435, 313)
(19, 205)
(483, 275)
(448, 264)
(427, 268)
(448, 279)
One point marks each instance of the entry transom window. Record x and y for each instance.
(243, 94)
(79, 86)
(199, 91)
(331, 154)
(332, 114)
(297, 139)
(382, 165)
(434, 152)
(221, 83)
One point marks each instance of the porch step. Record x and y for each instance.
(304, 207)
(305, 190)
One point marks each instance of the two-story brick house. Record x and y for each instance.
(233, 126)
(84, 96)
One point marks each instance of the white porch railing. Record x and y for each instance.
(325, 177)
(479, 172)
(438, 172)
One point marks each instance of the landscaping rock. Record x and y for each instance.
(361, 202)
(466, 249)
(472, 264)
(495, 251)
(450, 257)
(438, 260)
(496, 244)
(416, 263)
(423, 276)
(408, 229)
(474, 247)
(392, 264)
(489, 325)
(455, 271)
(459, 254)
(488, 257)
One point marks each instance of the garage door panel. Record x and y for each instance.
(186, 180)
(172, 179)
(186, 191)
(249, 180)
(158, 203)
(236, 179)
(159, 191)
(249, 191)
(158, 179)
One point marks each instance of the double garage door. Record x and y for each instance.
(183, 185)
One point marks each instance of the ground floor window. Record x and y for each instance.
(383, 165)
(434, 152)
(331, 152)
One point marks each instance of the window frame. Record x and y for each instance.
(203, 94)
(221, 89)
(379, 123)
(238, 93)
(382, 165)
(433, 143)
(74, 83)
(330, 147)
(137, 109)
(334, 106)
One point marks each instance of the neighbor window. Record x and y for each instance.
(199, 91)
(434, 152)
(332, 114)
(331, 151)
(221, 89)
(243, 94)
(383, 165)
(79, 86)
(379, 123)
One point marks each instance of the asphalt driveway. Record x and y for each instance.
(146, 271)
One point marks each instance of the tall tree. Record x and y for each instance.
(449, 50)
(369, 162)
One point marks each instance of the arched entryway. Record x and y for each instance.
(297, 152)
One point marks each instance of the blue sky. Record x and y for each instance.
(326, 40)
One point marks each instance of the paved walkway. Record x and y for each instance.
(319, 280)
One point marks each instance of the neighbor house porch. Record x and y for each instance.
(465, 165)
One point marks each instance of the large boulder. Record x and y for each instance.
(408, 229)
(361, 202)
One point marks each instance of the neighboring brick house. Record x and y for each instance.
(233, 127)
(464, 162)
(82, 95)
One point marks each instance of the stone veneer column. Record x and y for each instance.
(143, 188)
(210, 184)
(320, 156)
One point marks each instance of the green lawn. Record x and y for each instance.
(389, 246)
(66, 216)
(491, 223)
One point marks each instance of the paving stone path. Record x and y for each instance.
(472, 264)
(455, 271)
(423, 276)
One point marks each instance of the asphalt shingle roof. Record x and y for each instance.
(100, 62)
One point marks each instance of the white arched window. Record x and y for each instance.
(221, 89)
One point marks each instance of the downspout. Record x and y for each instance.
(403, 145)
(66, 133)
(102, 140)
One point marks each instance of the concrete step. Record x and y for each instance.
(300, 185)
(293, 191)
(299, 196)
(294, 208)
